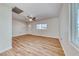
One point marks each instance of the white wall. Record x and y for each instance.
(64, 31)
(19, 27)
(51, 31)
(5, 28)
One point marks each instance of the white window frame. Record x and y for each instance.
(71, 23)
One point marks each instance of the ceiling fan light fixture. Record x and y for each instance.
(30, 20)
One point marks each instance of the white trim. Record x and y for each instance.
(41, 35)
(74, 46)
(60, 40)
(18, 35)
(46, 36)
(5, 49)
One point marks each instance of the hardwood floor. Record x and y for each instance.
(30, 45)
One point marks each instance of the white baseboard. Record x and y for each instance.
(39, 35)
(47, 36)
(50, 36)
(19, 35)
(1, 51)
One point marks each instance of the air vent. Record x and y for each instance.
(17, 10)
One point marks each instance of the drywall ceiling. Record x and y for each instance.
(40, 10)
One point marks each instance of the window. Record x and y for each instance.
(75, 25)
(41, 26)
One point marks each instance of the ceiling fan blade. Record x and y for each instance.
(34, 18)
(29, 17)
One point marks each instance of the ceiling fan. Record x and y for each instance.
(31, 18)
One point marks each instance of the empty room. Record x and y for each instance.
(39, 29)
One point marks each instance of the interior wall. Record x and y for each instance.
(64, 26)
(18, 27)
(51, 31)
(5, 28)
